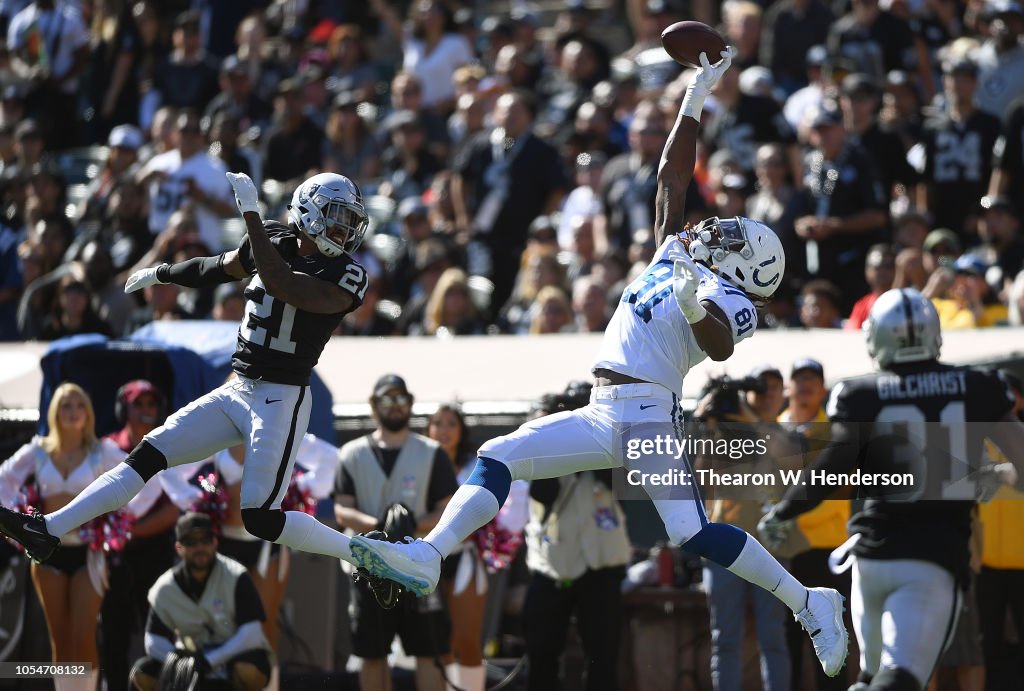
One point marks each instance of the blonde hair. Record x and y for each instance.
(548, 294)
(451, 278)
(54, 440)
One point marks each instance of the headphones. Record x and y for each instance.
(121, 402)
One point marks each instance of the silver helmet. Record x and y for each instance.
(903, 326)
(747, 252)
(325, 203)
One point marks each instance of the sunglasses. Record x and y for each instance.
(388, 401)
(193, 541)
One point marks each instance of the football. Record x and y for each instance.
(685, 41)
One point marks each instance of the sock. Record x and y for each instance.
(471, 507)
(757, 566)
(109, 492)
(472, 678)
(306, 534)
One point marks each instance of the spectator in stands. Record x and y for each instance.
(1001, 59)
(125, 226)
(407, 94)
(114, 58)
(139, 407)
(820, 305)
(432, 260)
(49, 44)
(182, 606)
(109, 301)
(730, 195)
(350, 145)
(954, 157)
(450, 310)
(860, 101)
(363, 495)
(1008, 155)
(875, 39)
(941, 248)
(590, 303)
(742, 22)
(350, 67)
(371, 318)
(504, 179)
(188, 176)
(879, 272)
(778, 204)
(415, 227)
(971, 302)
(850, 211)
(910, 229)
(11, 283)
(791, 29)
(408, 165)
(162, 134)
(294, 143)
(583, 199)
(1000, 234)
(123, 146)
(29, 144)
(539, 268)
(73, 313)
(581, 64)
(187, 78)
(229, 303)
(586, 248)
(226, 143)
(63, 463)
(551, 312)
(237, 98)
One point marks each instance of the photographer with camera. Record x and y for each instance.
(396, 481)
(577, 550)
(731, 410)
(205, 619)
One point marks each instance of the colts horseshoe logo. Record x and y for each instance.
(773, 279)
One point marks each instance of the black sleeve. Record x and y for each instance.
(545, 491)
(248, 606)
(198, 272)
(442, 479)
(840, 456)
(156, 626)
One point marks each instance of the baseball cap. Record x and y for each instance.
(997, 202)
(125, 137)
(765, 369)
(960, 66)
(232, 65)
(807, 365)
(941, 236)
(411, 206)
(826, 116)
(970, 264)
(192, 521)
(389, 382)
(816, 56)
(734, 182)
(131, 391)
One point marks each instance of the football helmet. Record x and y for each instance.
(902, 326)
(325, 203)
(744, 251)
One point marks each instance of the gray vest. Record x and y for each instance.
(209, 621)
(407, 483)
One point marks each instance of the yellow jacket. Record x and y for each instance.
(1002, 518)
(953, 316)
(824, 527)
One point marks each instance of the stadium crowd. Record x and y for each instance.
(508, 158)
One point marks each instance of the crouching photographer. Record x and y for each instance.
(204, 629)
(739, 437)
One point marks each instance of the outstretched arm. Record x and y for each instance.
(299, 290)
(680, 154)
(199, 272)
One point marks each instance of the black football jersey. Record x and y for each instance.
(929, 420)
(276, 341)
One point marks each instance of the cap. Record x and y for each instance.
(757, 81)
(387, 383)
(321, 33)
(859, 84)
(399, 119)
(411, 206)
(997, 202)
(131, 391)
(960, 65)
(816, 56)
(125, 137)
(232, 65)
(807, 365)
(970, 264)
(765, 369)
(826, 116)
(190, 522)
(189, 18)
(941, 236)
(734, 181)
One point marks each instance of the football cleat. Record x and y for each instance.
(414, 564)
(387, 593)
(822, 619)
(30, 531)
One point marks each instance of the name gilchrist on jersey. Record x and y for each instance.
(276, 341)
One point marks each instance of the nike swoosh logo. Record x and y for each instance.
(28, 528)
(645, 407)
(272, 400)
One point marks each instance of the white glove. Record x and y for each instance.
(704, 81)
(246, 195)
(991, 477)
(143, 278)
(772, 531)
(685, 280)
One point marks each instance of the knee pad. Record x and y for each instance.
(895, 679)
(718, 542)
(146, 460)
(493, 476)
(266, 524)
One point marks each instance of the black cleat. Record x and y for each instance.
(386, 592)
(30, 531)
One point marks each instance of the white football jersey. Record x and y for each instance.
(649, 338)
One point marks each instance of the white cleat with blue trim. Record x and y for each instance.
(415, 564)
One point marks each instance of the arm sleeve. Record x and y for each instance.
(248, 637)
(159, 639)
(199, 272)
(16, 469)
(442, 479)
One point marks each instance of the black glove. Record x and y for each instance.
(398, 522)
(386, 592)
(182, 671)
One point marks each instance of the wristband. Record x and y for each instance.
(693, 311)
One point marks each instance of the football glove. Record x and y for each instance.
(685, 280)
(773, 531)
(143, 278)
(386, 592)
(704, 81)
(989, 478)
(246, 196)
